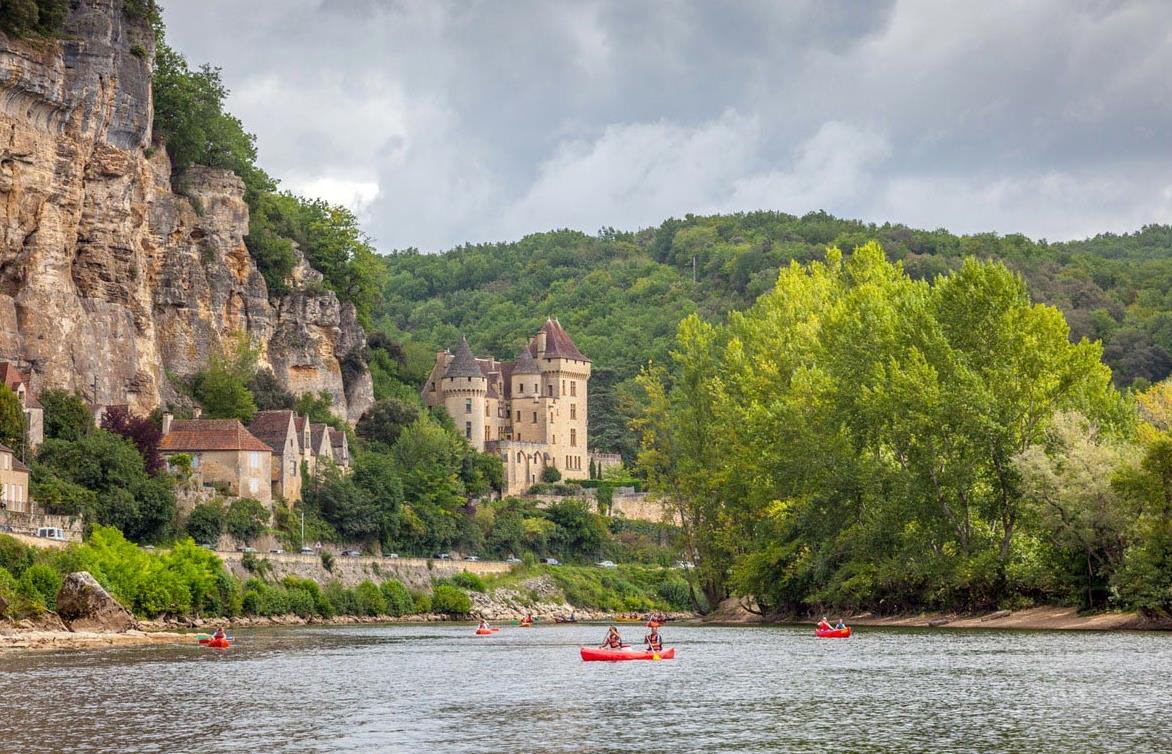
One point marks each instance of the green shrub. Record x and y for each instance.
(205, 524)
(399, 600)
(466, 580)
(39, 584)
(422, 603)
(246, 519)
(550, 474)
(449, 600)
(341, 599)
(7, 590)
(327, 561)
(15, 556)
(369, 599)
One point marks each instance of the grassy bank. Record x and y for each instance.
(187, 581)
(627, 588)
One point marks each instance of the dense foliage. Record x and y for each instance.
(621, 295)
(863, 439)
(103, 476)
(28, 17)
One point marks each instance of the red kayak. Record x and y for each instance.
(833, 633)
(486, 631)
(215, 643)
(591, 654)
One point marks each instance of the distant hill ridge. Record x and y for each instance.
(621, 294)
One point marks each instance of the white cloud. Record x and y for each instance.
(481, 121)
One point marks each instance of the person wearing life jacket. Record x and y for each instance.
(483, 625)
(653, 640)
(527, 620)
(840, 625)
(824, 624)
(219, 634)
(612, 640)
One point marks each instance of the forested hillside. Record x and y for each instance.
(621, 295)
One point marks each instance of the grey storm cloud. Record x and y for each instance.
(446, 122)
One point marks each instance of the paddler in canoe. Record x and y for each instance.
(824, 625)
(528, 619)
(653, 641)
(612, 640)
(483, 625)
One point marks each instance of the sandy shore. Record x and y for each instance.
(1037, 618)
(55, 640)
(1050, 618)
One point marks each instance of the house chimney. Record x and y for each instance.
(168, 417)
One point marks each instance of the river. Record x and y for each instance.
(437, 688)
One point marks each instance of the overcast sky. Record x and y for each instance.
(446, 122)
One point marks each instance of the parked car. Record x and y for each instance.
(148, 547)
(606, 564)
(51, 532)
(246, 549)
(550, 561)
(391, 555)
(512, 559)
(471, 557)
(208, 547)
(277, 551)
(351, 553)
(442, 556)
(306, 551)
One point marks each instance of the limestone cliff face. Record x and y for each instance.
(110, 281)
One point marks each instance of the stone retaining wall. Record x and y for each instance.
(415, 573)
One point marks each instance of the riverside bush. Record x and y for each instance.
(15, 556)
(369, 599)
(466, 580)
(422, 603)
(39, 584)
(399, 600)
(450, 600)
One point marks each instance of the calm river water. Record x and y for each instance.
(440, 689)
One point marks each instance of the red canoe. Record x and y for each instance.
(215, 643)
(591, 654)
(833, 633)
(486, 631)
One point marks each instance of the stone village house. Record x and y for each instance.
(222, 452)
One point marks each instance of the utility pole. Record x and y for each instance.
(693, 269)
(303, 528)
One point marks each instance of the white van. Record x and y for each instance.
(51, 532)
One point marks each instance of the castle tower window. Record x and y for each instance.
(534, 417)
(467, 405)
(573, 437)
(522, 387)
(536, 389)
(563, 386)
(518, 415)
(549, 388)
(573, 410)
(468, 430)
(573, 387)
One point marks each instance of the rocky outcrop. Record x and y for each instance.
(84, 605)
(112, 280)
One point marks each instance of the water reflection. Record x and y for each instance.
(440, 689)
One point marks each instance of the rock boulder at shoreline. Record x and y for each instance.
(84, 605)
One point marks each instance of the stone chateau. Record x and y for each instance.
(531, 411)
